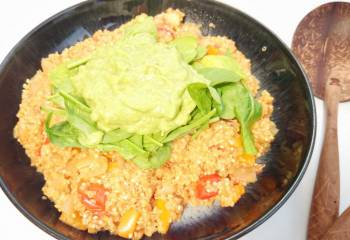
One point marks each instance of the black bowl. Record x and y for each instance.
(272, 63)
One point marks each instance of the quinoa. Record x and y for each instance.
(68, 171)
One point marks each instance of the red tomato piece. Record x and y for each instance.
(201, 191)
(97, 202)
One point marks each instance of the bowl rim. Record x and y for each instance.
(292, 186)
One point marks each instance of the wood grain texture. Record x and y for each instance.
(325, 202)
(322, 44)
(340, 230)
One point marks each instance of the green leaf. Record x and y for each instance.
(60, 78)
(201, 129)
(158, 158)
(57, 100)
(215, 95)
(181, 131)
(125, 148)
(74, 101)
(243, 101)
(61, 134)
(247, 136)
(91, 139)
(201, 52)
(77, 63)
(201, 96)
(152, 140)
(214, 119)
(228, 98)
(130, 149)
(142, 162)
(257, 112)
(238, 102)
(151, 144)
(137, 140)
(56, 111)
(187, 46)
(141, 25)
(219, 75)
(78, 115)
(160, 136)
(106, 147)
(195, 115)
(115, 136)
(221, 62)
(247, 139)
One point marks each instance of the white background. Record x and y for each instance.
(282, 17)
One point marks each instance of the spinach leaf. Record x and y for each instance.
(142, 162)
(257, 112)
(115, 136)
(61, 134)
(187, 46)
(76, 63)
(159, 157)
(215, 94)
(140, 26)
(137, 140)
(247, 136)
(125, 151)
(156, 160)
(91, 139)
(221, 62)
(201, 52)
(228, 98)
(201, 129)
(56, 111)
(74, 101)
(150, 143)
(196, 115)
(107, 147)
(56, 99)
(201, 96)
(130, 149)
(61, 78)
(78, 115)
(239, 103)
(181, 131)
(219, 75)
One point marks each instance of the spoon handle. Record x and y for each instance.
(340, 230)
(325, 202)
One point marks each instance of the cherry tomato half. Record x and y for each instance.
(201, 191)
(97, 202)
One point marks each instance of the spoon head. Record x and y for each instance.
(322, 44)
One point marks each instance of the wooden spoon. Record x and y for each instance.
(340, 230)
(322, 44)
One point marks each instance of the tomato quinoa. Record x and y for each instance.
(96, 191)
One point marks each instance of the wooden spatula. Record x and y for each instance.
(322, 44)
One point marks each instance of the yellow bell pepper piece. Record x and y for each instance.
(164, 218)
(112, 166)
(212, 50)
(239, 191)
(128, 223)
(238, 141)
(247, 158)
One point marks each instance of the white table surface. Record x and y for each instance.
(18, 17)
